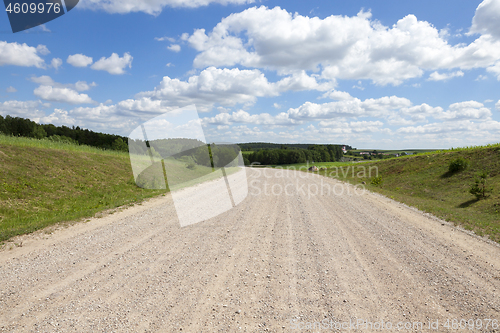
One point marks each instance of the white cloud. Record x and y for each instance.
(114, 64)
(243, 117)
(59, 117)
(84, 86)
(495, 69)
(466, 110)
(11, 89)
(435, 76)
(497, 105)
(153, 7)
(161, 39)
(46, 80)
(79, 60)
(349, 108)
(487, 19)
(42, 49)
(340, 47)
(56, 63)
(277, 106)
(20, 55)
(174, 48)
(24, 109)
(337, 95)
(64, 95)
(228, 87)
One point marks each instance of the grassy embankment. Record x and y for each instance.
(43, 183)
(423, 181)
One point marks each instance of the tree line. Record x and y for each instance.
(315, 153)
(16, 126)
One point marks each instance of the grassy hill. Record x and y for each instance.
(423, 181)
(44, 182)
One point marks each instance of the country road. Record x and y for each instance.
(275, 263)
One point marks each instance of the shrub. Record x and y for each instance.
(376, 180)
(191, 166)
(479, 187)
(458, 164)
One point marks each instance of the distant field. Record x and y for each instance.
(423, 181)
(409, 151)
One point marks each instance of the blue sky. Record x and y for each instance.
(372, 74)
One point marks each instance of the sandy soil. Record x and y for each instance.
(275, 263)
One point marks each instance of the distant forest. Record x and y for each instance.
(30, 129)
(255, 146)
(285, 155)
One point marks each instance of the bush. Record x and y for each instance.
(376, 180)
(191, 166)
(458, 164)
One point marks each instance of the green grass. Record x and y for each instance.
(423, 181)
(43, 183)
(47, 144)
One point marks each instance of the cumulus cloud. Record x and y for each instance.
(114, 64)
(63, 95)
(495, 69)
(42, 49)
(339, 47)
(153, 7)
(50, 90)
(466, 110)
(497, 105)
(174, 48)
(11, 89)
(228, 87)
(79, 60)
(349, 108)
(435, 76)
(24, 109)
(21, 55)
(84, 86)
(56, 63)
(244, 117)
(161, 39)
(46, 80)
(487, 19)
(337, 95)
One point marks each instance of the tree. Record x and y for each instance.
(479, 188)
(120, 145)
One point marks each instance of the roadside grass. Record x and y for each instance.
(43, 183)
(42, 186)
(423, 181)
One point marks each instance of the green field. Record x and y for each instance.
(423, 181)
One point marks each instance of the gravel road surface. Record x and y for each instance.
(290, 256)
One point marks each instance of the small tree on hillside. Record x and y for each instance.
(479, 188)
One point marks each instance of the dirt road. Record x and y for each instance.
(277, 262)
